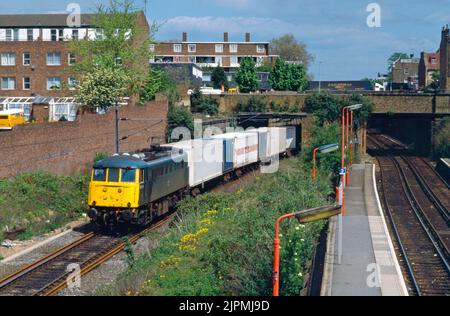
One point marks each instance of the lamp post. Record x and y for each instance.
(351, 139)
(305, 216)
(344, 118)
(323, 150)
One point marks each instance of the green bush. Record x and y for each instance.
(178, 116)
(222, 243)
(255, 104)
(442, 141)
(40, 202)
(325, 107)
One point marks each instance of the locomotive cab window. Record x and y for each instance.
(99, 174)
(128, 175)
(113, 175)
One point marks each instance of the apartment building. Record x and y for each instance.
(429, 63)
(406, 71)
(223, 53)
(35, 58)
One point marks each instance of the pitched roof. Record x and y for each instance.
(41, 20)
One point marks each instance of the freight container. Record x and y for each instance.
(239, 149)
(272, 142)
(205, 159)
(292, 137)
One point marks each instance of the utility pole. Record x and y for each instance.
(320, 63)
(116, 125)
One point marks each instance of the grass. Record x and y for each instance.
(40, 202)
(222, 243)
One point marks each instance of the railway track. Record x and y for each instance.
(418, 216)
(49, 275)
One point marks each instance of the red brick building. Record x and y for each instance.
(211, 54)
(429, 63)
(36, 61)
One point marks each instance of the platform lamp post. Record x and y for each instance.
(344, 118)
(305, 216)
(323, 150)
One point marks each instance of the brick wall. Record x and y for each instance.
(67, 148)
(396, 103)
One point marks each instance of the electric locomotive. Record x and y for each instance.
(136, 188)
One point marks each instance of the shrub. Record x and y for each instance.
(254, 104)
(325, 106)
(222, 243)
(40, 202)
(178, 116)
(442, 139)
(100, 156)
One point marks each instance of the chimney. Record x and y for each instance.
(184, 37)
(247, 37)
(225, 37)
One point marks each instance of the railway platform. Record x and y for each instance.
(360, 258)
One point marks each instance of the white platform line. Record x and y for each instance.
(388, 236)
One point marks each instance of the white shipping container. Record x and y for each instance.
(272, 142)
(240, 149)
(291, 137)
(205, 159)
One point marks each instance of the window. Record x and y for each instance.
(260, 49)
(26, 59)
(113, 175)
(234, 60)
(26, 83)
(406, 71)
(219, 48)
(177, 48)
(219, 60)
(53, 83)
(433, 61)
(72, 59)
(75, 35)
(99, 174)
(192, 48)
(72, 82)
(12, 35)
(53, 59)
(233, 48)
(191, 59)
(99, 34)
(152, 47)
(8, 59)
(57, 35)
(128, 175)
(8, 83)
(141, 176)
(30, 36)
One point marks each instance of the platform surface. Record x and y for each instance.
(366, 264)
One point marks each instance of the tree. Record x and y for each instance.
(290, 49)
(178, 116)
(278, 77)
(246, 76)
(286, 76)
(219, 78)
(394, 57)
(435, 84)
(120, 48)
(158, 81)
(102, 87)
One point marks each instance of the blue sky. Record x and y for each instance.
(335, 32)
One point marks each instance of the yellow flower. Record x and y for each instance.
(202, 231)
(129, 293)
